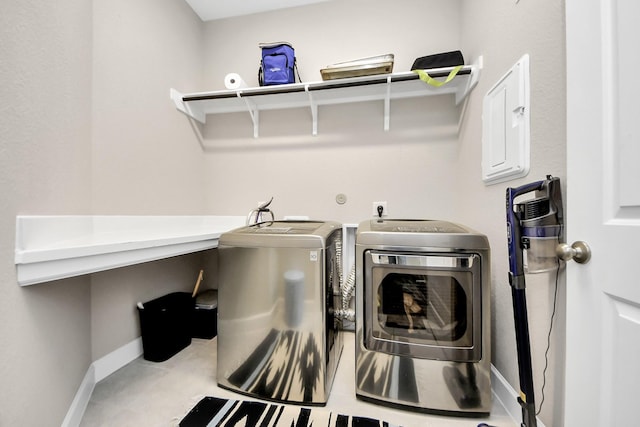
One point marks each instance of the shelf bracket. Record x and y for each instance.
(463, 91)
(254, 113)
(387, 105)
(189, 110)
(314, 112)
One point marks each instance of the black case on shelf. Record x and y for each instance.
(439, 60)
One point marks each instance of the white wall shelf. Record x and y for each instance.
(384, 87)
(56, 247)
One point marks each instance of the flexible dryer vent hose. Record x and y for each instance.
(348, 314)
(346, 288)
(338, 244)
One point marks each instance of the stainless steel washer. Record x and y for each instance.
(423, 316)
(277, 336)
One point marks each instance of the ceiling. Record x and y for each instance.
(209, 10)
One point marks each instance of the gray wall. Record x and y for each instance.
(503, 32)
(86, 127)
(89, 129)
(45, 168)
(144, 161)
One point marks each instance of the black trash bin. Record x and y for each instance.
(205, 315)
(165, 324)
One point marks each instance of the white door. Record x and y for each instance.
(603, 209)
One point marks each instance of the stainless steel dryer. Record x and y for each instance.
(277, 336)
(422, 316)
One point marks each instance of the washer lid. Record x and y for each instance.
(301, 234)
(282, 227)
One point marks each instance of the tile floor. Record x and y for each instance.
(145, 393)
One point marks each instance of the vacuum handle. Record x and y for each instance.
(513, 227)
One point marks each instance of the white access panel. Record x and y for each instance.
(505, 126)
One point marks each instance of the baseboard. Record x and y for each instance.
(118, 358)
(99, 370)
(507, 396)
(81, 400)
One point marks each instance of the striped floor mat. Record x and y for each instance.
(215, 412)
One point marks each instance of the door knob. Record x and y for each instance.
(579, 251)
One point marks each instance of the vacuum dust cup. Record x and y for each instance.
(541, 225)
(540, 251)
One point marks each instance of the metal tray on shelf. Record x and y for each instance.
(381, 64)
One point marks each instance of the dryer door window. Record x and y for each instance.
(423, 305)
(426, 307)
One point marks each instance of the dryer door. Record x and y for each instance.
(424, 305)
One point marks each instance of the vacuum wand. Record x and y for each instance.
(532, 226)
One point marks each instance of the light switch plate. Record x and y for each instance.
(505, 126)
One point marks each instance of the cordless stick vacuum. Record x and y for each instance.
(534, 228)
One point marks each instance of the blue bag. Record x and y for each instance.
(277, 64)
